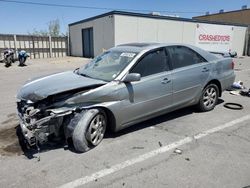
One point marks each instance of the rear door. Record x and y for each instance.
(153, 92)
(190, 73)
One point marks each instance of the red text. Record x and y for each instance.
(203, 37)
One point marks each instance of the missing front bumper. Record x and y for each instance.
(38, 131)
(35, 136)
(28, 135)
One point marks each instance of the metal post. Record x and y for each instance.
(15, 46)
(67, 44)
(28, 38)
(61, 46)
(42, 46)
(50, 47)
(57, 46)
(33, 45)
(38, 49)
(246, 41)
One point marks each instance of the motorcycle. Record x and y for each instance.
(8, 57)
(22, 57)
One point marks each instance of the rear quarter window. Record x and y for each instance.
(183, 56)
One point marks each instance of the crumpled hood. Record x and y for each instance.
(41, 88)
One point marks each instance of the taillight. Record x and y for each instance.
(232, 65)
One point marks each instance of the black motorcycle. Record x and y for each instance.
(8, 57)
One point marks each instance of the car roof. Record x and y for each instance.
(139, 47)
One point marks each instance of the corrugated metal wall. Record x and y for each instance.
(35, 46)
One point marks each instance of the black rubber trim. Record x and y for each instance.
(233, 106)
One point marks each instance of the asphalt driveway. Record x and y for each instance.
(213, 147)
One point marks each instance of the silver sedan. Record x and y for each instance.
(123, 86)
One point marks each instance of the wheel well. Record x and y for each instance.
(216, 82)
(111, 124)
(111, 121)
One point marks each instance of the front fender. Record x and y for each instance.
(108, 107)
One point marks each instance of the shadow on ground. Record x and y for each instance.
(152, 122)
(157, 120)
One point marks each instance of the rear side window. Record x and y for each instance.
(152, 63)
(183, 56)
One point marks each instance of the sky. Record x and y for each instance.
(24, 18)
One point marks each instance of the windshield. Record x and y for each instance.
(108, 65)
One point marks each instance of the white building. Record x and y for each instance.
(92, 36)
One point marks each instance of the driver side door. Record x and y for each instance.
(153, 93)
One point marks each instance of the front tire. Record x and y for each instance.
(89, 130)
(209, 98)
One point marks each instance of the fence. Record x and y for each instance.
(35, 46)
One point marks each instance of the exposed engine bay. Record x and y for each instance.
(46, 118)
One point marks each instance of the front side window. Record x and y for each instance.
(183, 56)
(108, 65)
(152, 63)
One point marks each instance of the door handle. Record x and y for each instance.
(205, 69)
(165, 81)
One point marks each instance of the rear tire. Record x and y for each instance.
(209, 98)
(89, 130)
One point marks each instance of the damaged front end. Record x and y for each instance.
(44, 106)
(38, 123)
(49, 116)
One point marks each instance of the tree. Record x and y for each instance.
(39, 33)
(53, 29)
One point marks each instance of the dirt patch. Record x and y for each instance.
(12, 142)
(12, 149)
(11, 119)
(8, 135)
(9, 142)
(11, 115)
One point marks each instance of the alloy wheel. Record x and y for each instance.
(209, 97)
(97, 129)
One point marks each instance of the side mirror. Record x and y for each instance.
(132, 77)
